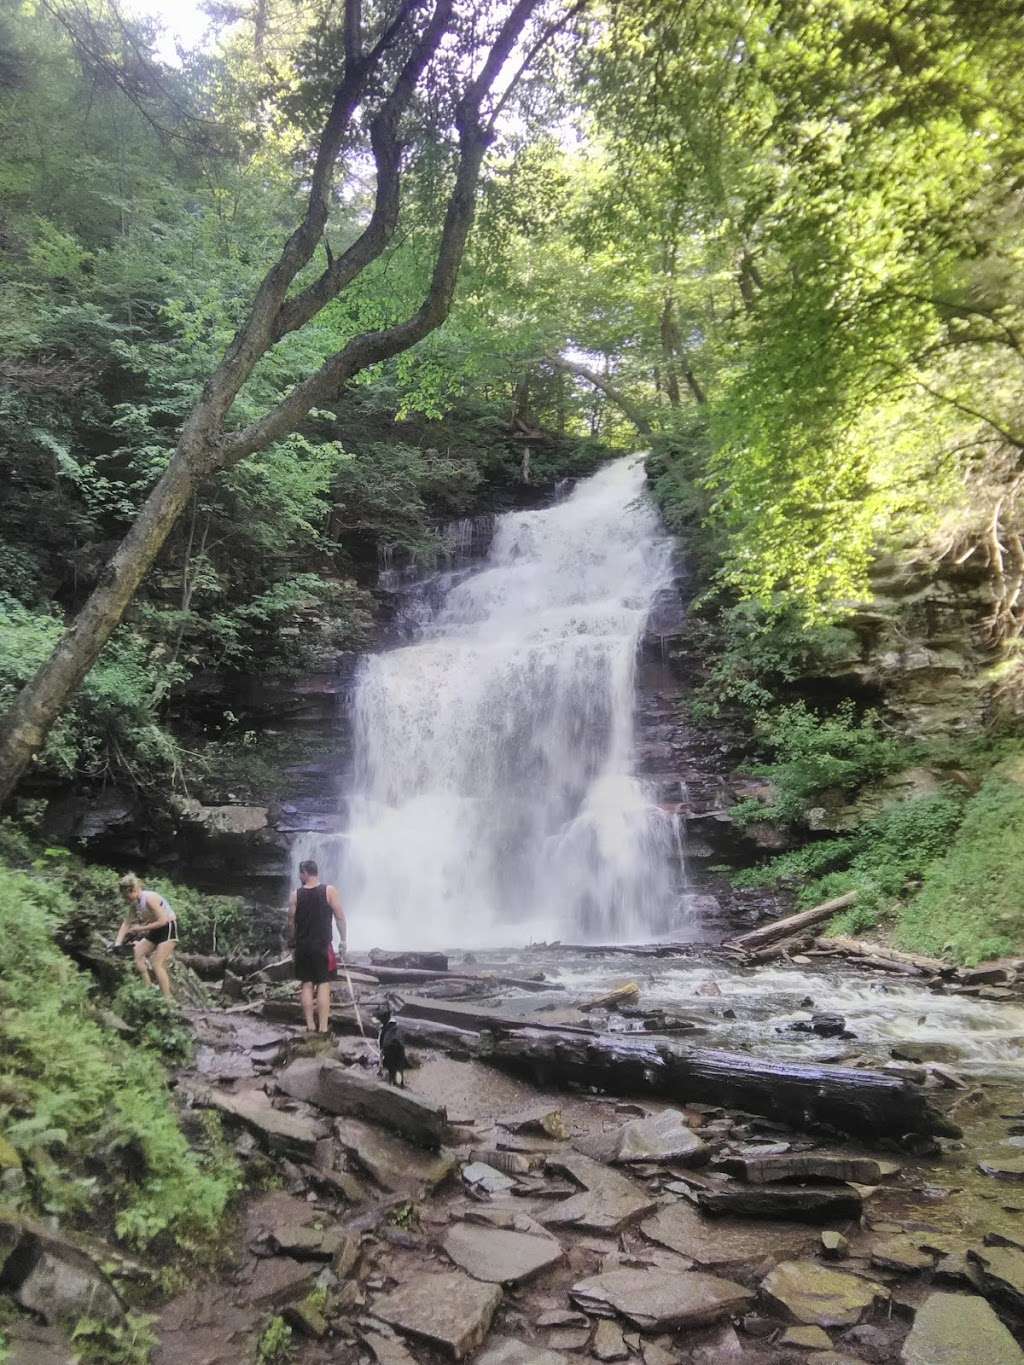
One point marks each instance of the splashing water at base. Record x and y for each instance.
(494, 798)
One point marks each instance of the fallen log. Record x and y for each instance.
(858, 948)
(207, 966)
(791, 924)
(802, 1095)
(412, 975)
(431, 962)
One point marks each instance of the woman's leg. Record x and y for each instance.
(323, 1005)
(161, 961)
(306, 995)
(142, 950)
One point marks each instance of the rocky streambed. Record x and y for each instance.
(509, 1215)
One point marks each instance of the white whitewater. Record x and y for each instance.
(494, 799)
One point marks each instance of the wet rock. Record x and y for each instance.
(815, 1295)
(656, 1354)
(1002, 1274)
(807, 1338)
(387, 1350)
(656, 1137)
(50, 1276)
(449, 1310)
(834, 1246)
(656, 1300)
(682, 1229)
(500, 1256)
(279, 1280)
(509, 1163)
(608, 1201)
(486, 1179)
(291, 1134)
(562, 1317)
(1001, 1167)
(766, 1170)
(307, 1319)
(343, 1090)
(959, 1329)
(509, 1351)
(540, 1119)
(716, 1347)
(900, 1253)
(609, 1343)
(568, 1339)
(391, 1163)
(802, 1203)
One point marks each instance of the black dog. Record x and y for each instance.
(393, 1060)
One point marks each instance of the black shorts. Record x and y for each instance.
(167, 933)
(313, 964)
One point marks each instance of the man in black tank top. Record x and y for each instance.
(313, 911)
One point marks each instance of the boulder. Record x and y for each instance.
(607, 1203)
(818, 1296)
(343, 1090)
(655, 1137)
(959, 1329)
(498, 1255)
(52, 1277)
(291, 1134)
(449, 1310)
(716, 1242)
(661, 1300)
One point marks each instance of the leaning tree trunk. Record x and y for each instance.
(616, 396)
(207, 445)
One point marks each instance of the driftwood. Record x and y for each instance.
(875, 953)
(791, 924)
(800, 1094)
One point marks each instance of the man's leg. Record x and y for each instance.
(161, 961)
(323, 1005)
(141, 950)
(306, 994)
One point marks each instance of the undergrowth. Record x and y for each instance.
(86, 1107)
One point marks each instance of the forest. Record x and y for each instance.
(282, 305)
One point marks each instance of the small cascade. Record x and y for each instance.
(494, 796)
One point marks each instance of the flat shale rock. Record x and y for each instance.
(959, 1329)
(713, 1242)
(392, 1163)
(658, 1300)
(656, 1137)
(801, 1203)
(278, 1280)
(1003, 1167)
(819, 1296)
(807, 1338)
(449, 1310)
(900, 1253)
(609, 1343)
(348, 1091)
(1002, 1271)
(766, 1170)
(387, 1350)
(287, 1133)
(607, 1203)
(499, 1256)
(510, 1351)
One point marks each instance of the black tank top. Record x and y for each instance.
(313, 917)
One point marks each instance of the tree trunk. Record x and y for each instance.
(206, 446)
(791, 924)
(800, 1094)
(614, 395)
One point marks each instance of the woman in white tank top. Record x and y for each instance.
(156, 931)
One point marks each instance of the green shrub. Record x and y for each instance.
(814, 754)
(275, 1344)
(89, 1112)
(125, 1343)
(971, 905)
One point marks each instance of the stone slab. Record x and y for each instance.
(500, 1256)
(819, 1296)
(449, 1310)
(660, 1300)
(714, 1242)
(608, 1201)
(959, 1329)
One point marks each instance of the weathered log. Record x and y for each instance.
(339, 1089)
(791, 924)
(800, 1094)
(431, 962)
(855, 947)
(412, 975)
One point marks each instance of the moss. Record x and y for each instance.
(971, 903)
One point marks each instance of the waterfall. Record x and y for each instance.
(493, 796)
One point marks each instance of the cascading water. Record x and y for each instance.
(494, 798)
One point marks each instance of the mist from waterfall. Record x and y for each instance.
(494, 799)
